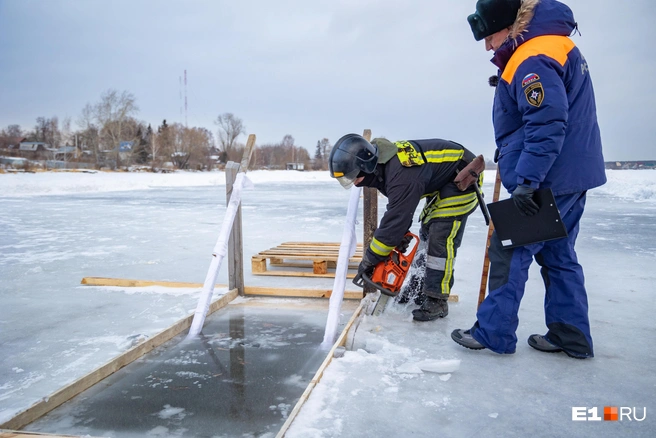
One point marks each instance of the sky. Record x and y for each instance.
(405, 70)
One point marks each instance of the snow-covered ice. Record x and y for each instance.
(405, 379)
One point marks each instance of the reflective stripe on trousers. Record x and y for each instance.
(444, 238)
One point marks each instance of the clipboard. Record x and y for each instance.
(515, 229)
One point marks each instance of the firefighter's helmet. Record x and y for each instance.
(350, 156)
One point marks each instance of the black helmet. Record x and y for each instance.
(351, 155)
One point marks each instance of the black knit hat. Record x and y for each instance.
(491, 16)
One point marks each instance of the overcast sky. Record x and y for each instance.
(406, 69)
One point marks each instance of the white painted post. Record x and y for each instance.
(346, 251)
(221, 247)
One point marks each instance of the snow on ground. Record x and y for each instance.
(402, 379)
(634, 185)
(61, 183)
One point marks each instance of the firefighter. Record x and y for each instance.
(407, 172)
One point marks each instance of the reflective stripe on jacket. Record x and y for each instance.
(430, 167)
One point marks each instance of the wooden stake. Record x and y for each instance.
(490, 230)
(370, 213)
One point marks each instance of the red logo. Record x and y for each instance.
(610, 413)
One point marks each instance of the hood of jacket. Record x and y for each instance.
(535, 18)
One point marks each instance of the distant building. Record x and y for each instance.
(648, 164)
(65, 152)
(295, 166)
(14, 143)
(34, 146)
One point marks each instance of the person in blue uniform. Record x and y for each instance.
(546, 132)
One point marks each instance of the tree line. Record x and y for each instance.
(108, 133)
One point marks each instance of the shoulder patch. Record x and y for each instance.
(529, 79)
(535, 94)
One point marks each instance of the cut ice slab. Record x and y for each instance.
(430, 366)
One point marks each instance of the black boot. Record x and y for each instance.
(432, 308)
(420, 298)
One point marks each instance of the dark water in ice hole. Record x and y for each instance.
(241, 378)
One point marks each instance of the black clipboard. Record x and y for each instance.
(514, 229)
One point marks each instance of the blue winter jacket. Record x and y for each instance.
(544, 115)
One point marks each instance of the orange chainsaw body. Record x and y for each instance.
(388, 276)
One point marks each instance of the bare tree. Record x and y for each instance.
(230, 128)
(90, 133)
(14, 131)
(190, 146)
(111, 113)
(66, 133)
(47, 131)
(325, 146)
(163, 143)
(11, 136)
(288, 145)
(154, 150)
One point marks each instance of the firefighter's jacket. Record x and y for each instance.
(420, 169)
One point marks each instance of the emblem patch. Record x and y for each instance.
(535, 94)
(529, 79)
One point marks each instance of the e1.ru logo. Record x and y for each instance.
(611, 413)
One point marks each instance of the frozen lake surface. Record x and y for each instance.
(56, 229)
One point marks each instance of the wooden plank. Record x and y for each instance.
(341, 340)
(319, 267)
(302, 293)
(306, 257)
(124, 282)
(302, 250)
(46, 405)
(16, 434)
(330, 264)
(306, 254)
(337, 244)
(248, 152)
(258, 264)
(248, 290)
(299, 274)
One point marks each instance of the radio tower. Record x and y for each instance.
(180, 96)
(186, 126)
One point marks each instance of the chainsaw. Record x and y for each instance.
(388, 276)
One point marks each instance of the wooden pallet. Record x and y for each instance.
(318, 256)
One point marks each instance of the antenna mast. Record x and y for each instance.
(185, 73)
(180, 96)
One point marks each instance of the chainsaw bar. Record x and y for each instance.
(381, 303)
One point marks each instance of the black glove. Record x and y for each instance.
(365, 267)
(523, 198)
(405, 242)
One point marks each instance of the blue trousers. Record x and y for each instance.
(565, 303)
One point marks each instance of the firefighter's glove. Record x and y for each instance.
(523, 199)
(405, 243)
(366, 267)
